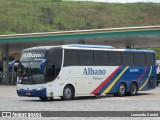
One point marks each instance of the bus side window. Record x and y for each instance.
(101, 58)
(51, 72)
(127, 59)
(71, 57)
(54, 64)
(114, 58)
(150, 58)
(86, 57)
(139, 59)
(57, 71)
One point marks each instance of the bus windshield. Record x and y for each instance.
(30, 73)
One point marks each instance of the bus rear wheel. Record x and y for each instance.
(133, 89)
(122, 90)
(68, 93)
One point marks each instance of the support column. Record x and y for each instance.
(5, 58)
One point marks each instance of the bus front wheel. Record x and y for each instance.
(68, 93)
(122, 90)
(46, 98)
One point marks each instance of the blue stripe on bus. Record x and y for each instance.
(32, 93)
(127, 77)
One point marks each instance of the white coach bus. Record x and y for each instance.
(73, 70)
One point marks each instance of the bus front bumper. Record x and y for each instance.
(32, 93)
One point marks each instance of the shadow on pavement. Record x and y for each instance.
(88, 97)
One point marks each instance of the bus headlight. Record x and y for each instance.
(18, 88)
(40, 88)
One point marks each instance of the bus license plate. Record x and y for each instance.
(28, 93)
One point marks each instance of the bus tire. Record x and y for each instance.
(68, 93)
(122, 90)
(43, 98)
(133, 89)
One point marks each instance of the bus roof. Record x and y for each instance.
(137, 50)
(86, 47)
(40, 48)
(89, 46)
(100, 47)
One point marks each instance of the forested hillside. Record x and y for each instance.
(27, 16)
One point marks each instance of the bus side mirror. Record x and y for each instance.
(12, 65)
(42, 65)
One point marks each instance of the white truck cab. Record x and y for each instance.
(158, 72)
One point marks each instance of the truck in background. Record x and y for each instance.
(158, 72)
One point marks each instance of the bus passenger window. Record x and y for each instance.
(100, 58)
(127, 59)
(139, 59)
(114, 58)
(86, 57)
(70, 57)
(50, 73)
(150, 59)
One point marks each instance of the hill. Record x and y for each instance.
(27, 16)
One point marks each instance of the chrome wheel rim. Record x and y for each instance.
(122, 90)
(133, 89)
(67, 93)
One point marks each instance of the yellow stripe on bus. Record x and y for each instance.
(114, 82)
(146, 80)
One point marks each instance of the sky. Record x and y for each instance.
(121, 1)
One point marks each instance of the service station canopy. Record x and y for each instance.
(130, 37)
(135, 37)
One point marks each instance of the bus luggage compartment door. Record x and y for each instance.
(151, 82)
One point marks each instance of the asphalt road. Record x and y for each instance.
(144, 101)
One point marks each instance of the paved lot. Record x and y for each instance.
(144, 101)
